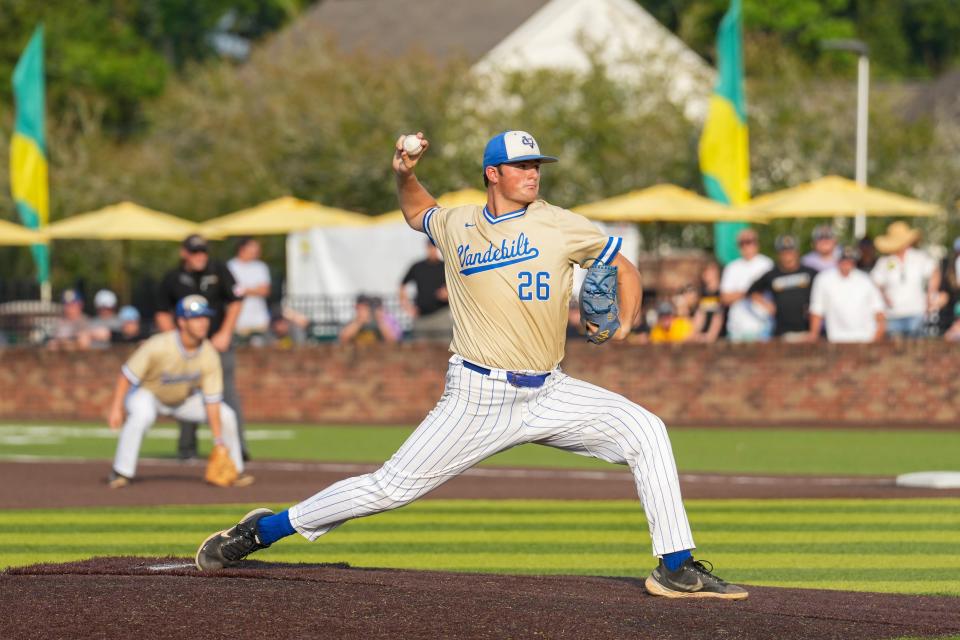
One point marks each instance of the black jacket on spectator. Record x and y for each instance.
(428, 276)
(950, 285)
(215, 283)
(791, 294)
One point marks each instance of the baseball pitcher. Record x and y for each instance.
(176, 373)
(509, 269)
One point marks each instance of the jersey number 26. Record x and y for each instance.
(530, 283)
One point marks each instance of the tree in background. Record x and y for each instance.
(105, 58)
(319, 125)
(907, 38)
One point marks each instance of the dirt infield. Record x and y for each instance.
(122, 598)
(71, 484)
(132, 598)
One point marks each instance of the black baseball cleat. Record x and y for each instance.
(117, 481)
(230, 546)
(692, 580)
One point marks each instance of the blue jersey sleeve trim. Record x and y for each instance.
(606, 248)
(427, 217)
(611, 250)
(129, 375)
(213, 399)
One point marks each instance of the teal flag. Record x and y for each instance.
(28, 149)
(724, 144)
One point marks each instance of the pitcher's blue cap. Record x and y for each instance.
(194, 306)
(512, 146)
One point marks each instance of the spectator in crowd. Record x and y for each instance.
(825, 250)
(868, 254)
(949, 299)
(708, 317)
(746, 320)
(253, 285)
(685, 301)
(371, 323)
(130, 330)
(952, 334)
(908, 280)
(430, 310)
(198, 274)
(670, 327)
(288, 328)
(640, 331)
(282, 333)
(848, 300)
(785, 291)
(106, 322)
(72, 329)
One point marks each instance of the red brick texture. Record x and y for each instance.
(908, 384)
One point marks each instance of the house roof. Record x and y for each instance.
(442, 28)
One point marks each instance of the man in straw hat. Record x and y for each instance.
(908, 279)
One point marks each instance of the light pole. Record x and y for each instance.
(863, 96)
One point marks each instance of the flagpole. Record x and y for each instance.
(863, 96)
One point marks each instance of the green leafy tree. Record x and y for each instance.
(907, 38)
(107, 57)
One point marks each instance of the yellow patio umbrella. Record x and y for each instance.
(281, 216)
(832, 196)
(661, 203)
(15, 234)
(452, 199)
(122, 221)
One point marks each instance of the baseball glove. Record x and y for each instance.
(598, 303)
(220, 468)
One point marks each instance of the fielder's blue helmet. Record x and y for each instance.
(194, 306)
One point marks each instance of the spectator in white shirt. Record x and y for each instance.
(825, 250)
(253, 285)
(747, 320)
(908, 279)
(849, 302)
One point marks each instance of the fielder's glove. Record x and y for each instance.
(220, 468)
(598, 303)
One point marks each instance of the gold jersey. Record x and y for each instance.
(162, 366)
(509, 279)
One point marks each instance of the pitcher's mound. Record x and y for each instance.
(168, 598)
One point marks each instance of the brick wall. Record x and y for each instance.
(916, 383)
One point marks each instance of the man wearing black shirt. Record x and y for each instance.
(198, 274)
(430, 309)
(789, 284)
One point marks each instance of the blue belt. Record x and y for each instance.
(516, 379)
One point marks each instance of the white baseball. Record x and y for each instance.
(412, 145)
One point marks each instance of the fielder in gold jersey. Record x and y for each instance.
(509, 272)
(176, 373)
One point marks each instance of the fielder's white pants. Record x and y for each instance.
(480, 415)
(142, 411)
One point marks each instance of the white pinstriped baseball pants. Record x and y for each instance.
(142, 411)
(480, 415)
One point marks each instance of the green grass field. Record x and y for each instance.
(904, 546)
(790, 451)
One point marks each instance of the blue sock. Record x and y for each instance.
(672, 560)
(272, 528)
